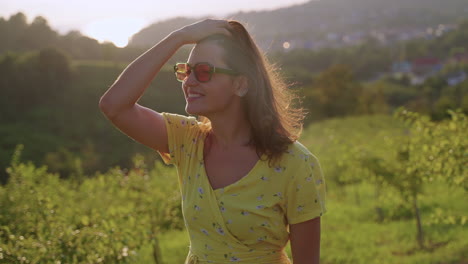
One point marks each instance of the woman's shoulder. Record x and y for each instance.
(298, 153)
(178, 119)
(184, 126)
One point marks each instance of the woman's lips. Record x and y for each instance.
(193, 96)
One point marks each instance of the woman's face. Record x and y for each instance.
(215, 96)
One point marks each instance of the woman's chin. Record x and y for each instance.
(193, 110)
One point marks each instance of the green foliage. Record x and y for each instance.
(50, 105)
(345, 144)
(335, 92)
(107, 218)
(406, 153)
(21, 36)
(438, 150)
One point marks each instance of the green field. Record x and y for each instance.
(131, 215)
(351, 234)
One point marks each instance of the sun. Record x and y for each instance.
(115, 30)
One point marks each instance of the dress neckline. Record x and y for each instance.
(205, 174)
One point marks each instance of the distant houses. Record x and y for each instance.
(420, 69)
(385, 36)
(460, 58)
(456, 78)
(417, 71)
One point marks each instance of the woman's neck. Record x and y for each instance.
(227, 132)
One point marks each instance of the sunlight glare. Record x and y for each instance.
(116, 30)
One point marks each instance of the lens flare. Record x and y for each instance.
(115, 30)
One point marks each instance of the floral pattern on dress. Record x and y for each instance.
(246, 218)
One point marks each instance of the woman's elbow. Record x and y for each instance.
(106, 107)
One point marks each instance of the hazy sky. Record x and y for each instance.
(100, 18)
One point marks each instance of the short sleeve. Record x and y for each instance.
(306, 191)
(180, 130)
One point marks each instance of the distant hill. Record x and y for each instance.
(318, 20)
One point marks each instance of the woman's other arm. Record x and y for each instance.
(305, 242)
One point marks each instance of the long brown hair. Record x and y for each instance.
(275, 122)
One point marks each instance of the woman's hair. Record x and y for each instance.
(275, 122)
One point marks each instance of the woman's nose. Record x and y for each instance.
(191, 80)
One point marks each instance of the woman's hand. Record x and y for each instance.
(197, 31)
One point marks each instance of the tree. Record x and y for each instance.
(38, 35)
(337, 91)
(431, 151)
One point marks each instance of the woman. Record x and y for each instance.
(247, 184)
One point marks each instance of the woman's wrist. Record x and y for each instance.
(193, 33)
(179, 37)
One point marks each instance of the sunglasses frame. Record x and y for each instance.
(213, 69)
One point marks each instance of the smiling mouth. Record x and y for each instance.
(194, 95)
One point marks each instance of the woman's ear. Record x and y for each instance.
(241, 86)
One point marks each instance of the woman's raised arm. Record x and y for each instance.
(119, 102)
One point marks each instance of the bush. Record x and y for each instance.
(107, 218)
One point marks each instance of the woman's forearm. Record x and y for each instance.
(133, 81)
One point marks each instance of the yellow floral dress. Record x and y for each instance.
(246, 221)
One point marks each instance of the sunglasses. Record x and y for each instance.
(203, 71)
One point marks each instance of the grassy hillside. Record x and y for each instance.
(350, 233)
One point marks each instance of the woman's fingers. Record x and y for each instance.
(224, 32)
(202, 29)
